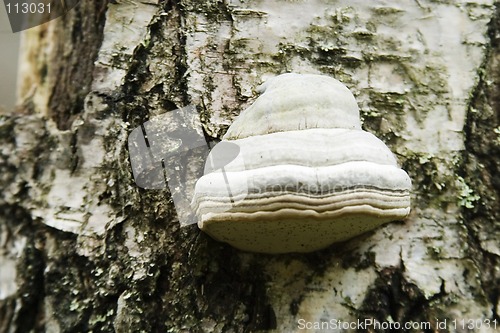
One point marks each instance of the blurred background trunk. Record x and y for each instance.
(82, 248)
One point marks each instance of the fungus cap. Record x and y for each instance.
(306, 175)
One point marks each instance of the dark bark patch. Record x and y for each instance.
(72, 70)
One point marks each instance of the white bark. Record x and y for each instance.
(414, 67)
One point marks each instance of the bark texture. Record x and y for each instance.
(83, 249)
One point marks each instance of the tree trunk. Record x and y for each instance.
(82, 248)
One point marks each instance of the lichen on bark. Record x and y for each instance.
(87, 250)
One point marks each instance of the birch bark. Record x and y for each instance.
(82, 248)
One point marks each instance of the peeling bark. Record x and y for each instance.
(82, 248)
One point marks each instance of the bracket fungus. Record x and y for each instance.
(305, 176)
